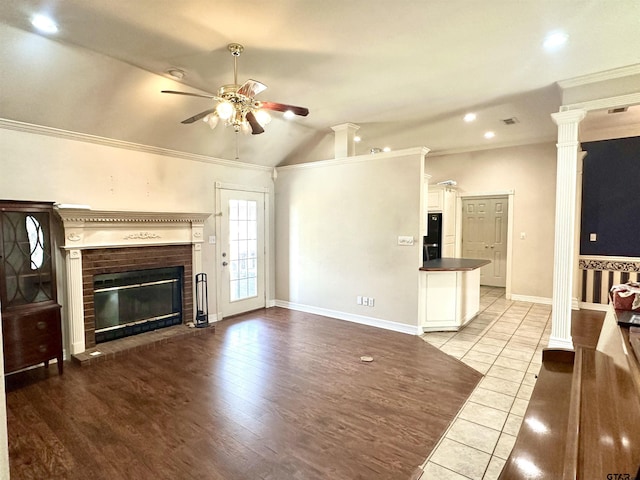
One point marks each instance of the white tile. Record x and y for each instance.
(474, 435)
(504, 446)
(483, 415)
(461, 459)
(507, 362)
(484, 348)
(481, 367)
(453, 351)
(500, 385)
(512, 425)
(492, 341)
(492, 399)
(519, 407)
(525, 392)
(433, 471)
(481, 356)
(519, 353)
(506, 373)
(494, 469)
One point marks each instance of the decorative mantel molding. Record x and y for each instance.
(86, 228)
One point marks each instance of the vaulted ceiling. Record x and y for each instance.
(405, 71)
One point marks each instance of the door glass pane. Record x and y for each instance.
(27, 257)
(243, 227)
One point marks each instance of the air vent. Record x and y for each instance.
(510, 121)
(618, 110)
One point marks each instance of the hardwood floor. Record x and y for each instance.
(273, 394)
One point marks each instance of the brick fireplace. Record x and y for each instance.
(106, 242)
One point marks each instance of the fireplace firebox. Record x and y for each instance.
(133, 302)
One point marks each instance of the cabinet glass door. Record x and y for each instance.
(26, 258)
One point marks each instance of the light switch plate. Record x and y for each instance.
(405, 240)
(593, 237)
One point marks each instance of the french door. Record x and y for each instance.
(241, 251)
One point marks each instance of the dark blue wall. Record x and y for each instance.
(611, 198)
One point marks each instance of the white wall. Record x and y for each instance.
(44, 167)
(337, 227)
(531, 172)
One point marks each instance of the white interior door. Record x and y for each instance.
(484, 235)
(241, 253)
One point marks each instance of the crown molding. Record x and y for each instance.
(602, 103)
(494, 146)
(137, 147)
(357, 159)
(600, 76)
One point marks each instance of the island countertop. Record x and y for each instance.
(453, 264)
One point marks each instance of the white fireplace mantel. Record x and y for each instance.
(85, 229)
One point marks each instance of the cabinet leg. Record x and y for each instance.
(46, 364)
(60, 365)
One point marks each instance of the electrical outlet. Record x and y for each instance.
(593, 237)
(371, 301)
(365, 301)
(359, 299)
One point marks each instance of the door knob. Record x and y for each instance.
(224, 264)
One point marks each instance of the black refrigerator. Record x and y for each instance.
(432, 246)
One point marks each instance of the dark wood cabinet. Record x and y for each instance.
(31, 324)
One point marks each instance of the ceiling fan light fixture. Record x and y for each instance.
(263, 117)
(225, 110)
(212, 120)
(288, 114)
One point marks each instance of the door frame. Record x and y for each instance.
(496, 193)
(219, 186)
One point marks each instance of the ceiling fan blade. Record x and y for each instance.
(198, 116)
(251, 88)
(256, 128)
(281, 107)
(186, 93)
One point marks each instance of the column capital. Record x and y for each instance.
(569, 116)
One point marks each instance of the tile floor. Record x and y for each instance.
(504, 342)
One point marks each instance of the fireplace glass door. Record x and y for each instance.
(138, 301)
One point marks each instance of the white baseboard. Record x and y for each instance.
(350, 317)
(601, 307)
(271, 303)
(531, 299)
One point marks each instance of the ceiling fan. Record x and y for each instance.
(236, 104)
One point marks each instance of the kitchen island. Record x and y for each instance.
(449, 295)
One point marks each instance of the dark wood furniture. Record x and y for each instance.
(31, 327)
(583, 418)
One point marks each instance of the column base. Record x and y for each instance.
(557, 342)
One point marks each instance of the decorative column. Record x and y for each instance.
(565, 226)
(75, 303)
(344, 143)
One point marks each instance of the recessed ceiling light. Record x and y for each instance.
(386, 149)
(469, 117)
(44, 24)
(288, 114)
(555, 40)
(488, 135)
(176, 73)
(357, 139)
